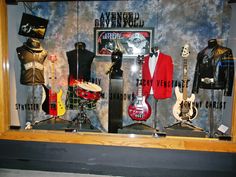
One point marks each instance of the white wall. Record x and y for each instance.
(232, 45)
(232, 32)
(14, 18)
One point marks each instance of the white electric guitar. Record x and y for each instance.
(184, 110)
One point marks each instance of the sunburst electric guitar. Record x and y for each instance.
(53, 104)
(139, 109)
(184, 110)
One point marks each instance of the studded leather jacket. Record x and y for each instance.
(214, 70)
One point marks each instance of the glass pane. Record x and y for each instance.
(162, 68)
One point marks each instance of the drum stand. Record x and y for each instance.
(82, 120)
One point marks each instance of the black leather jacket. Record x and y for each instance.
(214, 70)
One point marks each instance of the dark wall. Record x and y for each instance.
(116, 161)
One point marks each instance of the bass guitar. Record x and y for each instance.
(53, 104)
(184, 110)
(139, 109)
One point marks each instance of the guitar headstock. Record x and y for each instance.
(140, 59)
(52, 58)
(185, 51)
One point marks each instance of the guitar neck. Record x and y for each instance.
(140, 77)
(53, 77)
(185, 78)
(140, 92)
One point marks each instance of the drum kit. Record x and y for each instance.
(88, 94)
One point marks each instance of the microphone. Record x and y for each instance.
(111, 68)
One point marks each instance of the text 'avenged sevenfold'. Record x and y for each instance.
(119, 19)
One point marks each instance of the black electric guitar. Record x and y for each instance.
(53, 104)
(184, 110)
(139, 109)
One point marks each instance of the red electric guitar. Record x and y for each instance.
(53, 104)
(139, 109)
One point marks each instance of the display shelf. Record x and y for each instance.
(125, 140)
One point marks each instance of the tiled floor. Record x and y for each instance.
(31, 173)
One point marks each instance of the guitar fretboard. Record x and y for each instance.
(53, 77)
(185, 78)
(185, 54)
(53, 58)
(140, 76)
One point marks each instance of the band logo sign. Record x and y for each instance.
(119, 20)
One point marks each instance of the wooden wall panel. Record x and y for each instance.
(4, 84)
(125, 140)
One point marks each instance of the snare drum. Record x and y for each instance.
(88, 91)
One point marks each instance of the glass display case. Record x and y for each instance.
(97, 72)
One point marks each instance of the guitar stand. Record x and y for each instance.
(185, 124)
(185, 128)
(52, 123)
(51, 119)
(137, 128)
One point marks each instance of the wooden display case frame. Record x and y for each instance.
(142, 141)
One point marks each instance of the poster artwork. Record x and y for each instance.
(130, 42)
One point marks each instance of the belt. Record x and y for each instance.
(207, 80)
